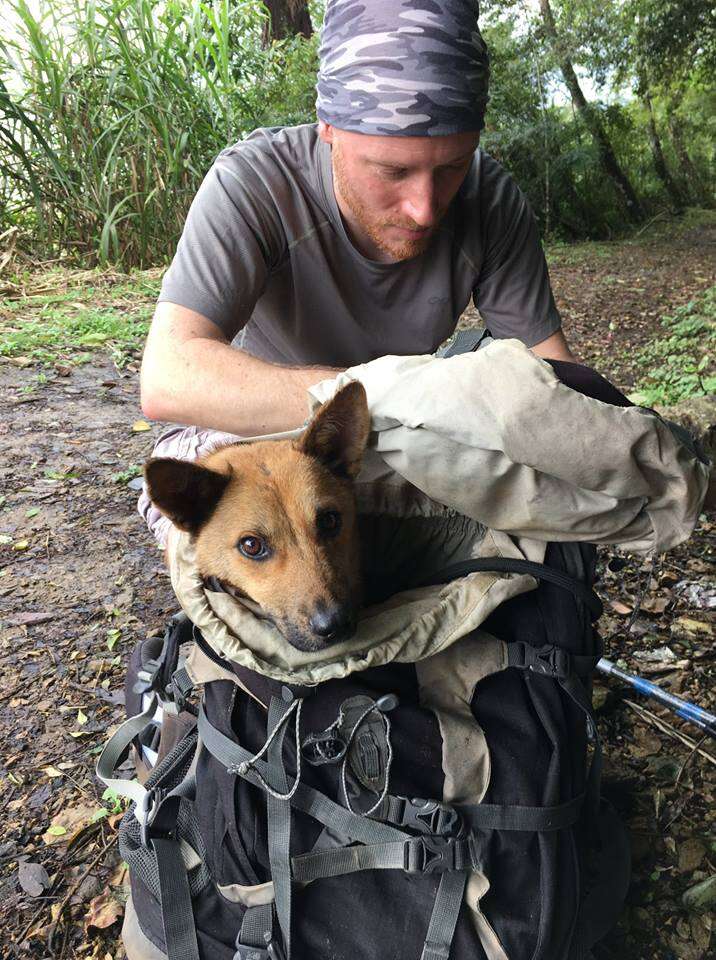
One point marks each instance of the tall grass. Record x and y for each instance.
(111, 111)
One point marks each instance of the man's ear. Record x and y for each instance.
(184, 491)
(338, 433)
(325, 131)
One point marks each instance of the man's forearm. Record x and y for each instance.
(205, 382)
(555, 347)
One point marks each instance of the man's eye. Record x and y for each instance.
(255, 548)
(392, 173)
(328, 522)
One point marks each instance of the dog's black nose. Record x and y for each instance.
(329, 622)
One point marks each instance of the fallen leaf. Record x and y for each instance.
(25, 619)
(21, 545)
(699, 595)
(691, 627)
(140, 426)
(56, 831)
(115, 820)
(120, 877)
(32, 877)
(103, 911)
(702, 897)
(81, 718)
(659, 655)
(52, 772)
(646, 745)
(69, 821)
(655, 604)
(691, 853)
(621, 608)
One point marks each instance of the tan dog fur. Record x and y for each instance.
(293, 499)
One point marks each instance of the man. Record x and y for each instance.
(318, 247)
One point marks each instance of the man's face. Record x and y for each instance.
(393, 191)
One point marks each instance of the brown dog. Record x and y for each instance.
(275, 521)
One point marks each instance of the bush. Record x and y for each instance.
(681, 364)
(117, 109)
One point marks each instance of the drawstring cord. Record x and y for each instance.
(247, 766)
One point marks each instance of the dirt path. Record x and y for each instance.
(80, 584)
(611, 296)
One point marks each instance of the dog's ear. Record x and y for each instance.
(338, 433)
(185, 492)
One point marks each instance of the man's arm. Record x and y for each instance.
(555, 347)
(191, 374)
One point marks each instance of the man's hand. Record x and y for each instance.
(191, 374)
(555, 348)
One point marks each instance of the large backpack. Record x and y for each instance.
(448, 808)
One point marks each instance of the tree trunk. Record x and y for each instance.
(658, 154)
(591, 119)
(287, 18)
(676, 129)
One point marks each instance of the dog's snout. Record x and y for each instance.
(331, 621)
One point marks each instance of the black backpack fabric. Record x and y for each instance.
(555, 855)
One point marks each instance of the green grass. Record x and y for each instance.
(112, 111)
(70, 325)
(661, 228)
(682, 363)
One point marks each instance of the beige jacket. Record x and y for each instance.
(495, 457)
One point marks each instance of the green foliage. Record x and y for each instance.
(682, 363)
(65, 324)
(118, 108)
(124, 476)
(547, 145)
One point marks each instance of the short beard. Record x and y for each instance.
(402, 250)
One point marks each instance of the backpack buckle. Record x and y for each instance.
(430, 816)
(551, 661)
(146, 677)
(251, 953)
(272, 950)
(548, 660)
(146, 810)
(432, 854)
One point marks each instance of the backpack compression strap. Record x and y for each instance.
(540, 571)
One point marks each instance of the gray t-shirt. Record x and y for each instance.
(264, 254)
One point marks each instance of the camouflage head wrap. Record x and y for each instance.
(404, 67)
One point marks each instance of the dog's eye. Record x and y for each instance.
(253, 547)
(328, 522)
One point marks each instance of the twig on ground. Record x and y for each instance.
(688, 760)
(75, 886)
(669, 730)
(659, 216)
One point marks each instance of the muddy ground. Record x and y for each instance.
(81, 583)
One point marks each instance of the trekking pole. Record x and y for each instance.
(687, 711)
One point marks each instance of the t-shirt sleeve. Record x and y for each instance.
(513, 292)
(231, 240)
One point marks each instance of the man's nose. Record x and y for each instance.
(421, 203)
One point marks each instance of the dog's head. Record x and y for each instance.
(276, 520)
